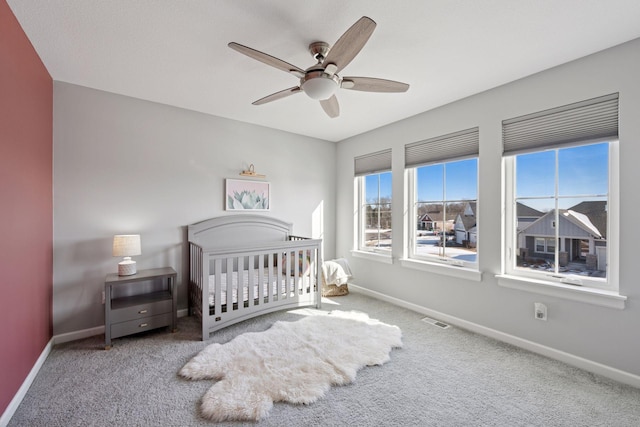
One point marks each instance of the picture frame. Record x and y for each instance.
(247, 195)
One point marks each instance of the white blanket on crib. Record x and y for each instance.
(336, 272)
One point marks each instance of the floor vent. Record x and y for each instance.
(435, 322)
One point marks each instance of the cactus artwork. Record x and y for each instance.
(248, 200)
(247, 195)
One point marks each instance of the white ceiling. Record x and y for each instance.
(175, 52)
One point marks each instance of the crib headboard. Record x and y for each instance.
(235, 231)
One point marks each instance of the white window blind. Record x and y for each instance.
(453, 146)
(373, 163)
(592, 120)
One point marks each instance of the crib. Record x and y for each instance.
(243, 266)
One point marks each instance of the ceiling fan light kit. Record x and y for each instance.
(319, 85)
(321, 81)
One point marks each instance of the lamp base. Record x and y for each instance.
(127, 268)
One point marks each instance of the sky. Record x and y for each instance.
(460, 178)
(583, 173)
(371, 186)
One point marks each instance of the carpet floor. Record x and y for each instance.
(440, 377)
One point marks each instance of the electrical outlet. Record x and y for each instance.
(540, 311)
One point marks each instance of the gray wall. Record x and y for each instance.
(605, 335)
(123, 165)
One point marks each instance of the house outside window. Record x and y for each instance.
(442, 175)
(573, 200)
(559, 198)
(374, 201)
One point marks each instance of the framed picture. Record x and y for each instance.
(242, 195)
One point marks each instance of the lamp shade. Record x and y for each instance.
(126, 245)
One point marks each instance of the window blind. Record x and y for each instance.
(373, 163)
(593, 120)
(453, 146)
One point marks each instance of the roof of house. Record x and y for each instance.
(596, 211)
(582, 220)
(472, 205)
(585, 227)
(527, 211)
(468, 221)
(431, 216)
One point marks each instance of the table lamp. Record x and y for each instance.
(126, 245)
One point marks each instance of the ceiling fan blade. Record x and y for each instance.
(331, 106)
(350, 43)
(278, 95)
(268, 59)
(370, 84)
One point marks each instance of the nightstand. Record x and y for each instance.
(140, 311)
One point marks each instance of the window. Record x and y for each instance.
(559, 168)
(377, 211)
(373, 193)
(571, 198)
(443, 186)
(545, 245)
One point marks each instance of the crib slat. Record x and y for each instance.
(292, 278)
(261, 293)
(284, 283)
(306, 270)
(251, 267)
(217, 288)
(242, 283)
(230, 275)
(269, 282)
(277, 293)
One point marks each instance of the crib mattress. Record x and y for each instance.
(270, 290)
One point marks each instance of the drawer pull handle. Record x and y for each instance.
(142, 312)
(144, 325)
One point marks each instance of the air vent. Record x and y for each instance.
(435, 322)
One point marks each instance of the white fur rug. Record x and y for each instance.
(293, 362)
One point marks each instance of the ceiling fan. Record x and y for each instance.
(321, 81)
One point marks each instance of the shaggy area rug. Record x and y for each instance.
(293, 362)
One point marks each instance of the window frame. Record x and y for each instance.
(361, 204)
(412, 203)
(510, 233)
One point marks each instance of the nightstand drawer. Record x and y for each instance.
(140, 325)
(144, 309)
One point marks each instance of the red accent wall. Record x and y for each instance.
(26, 206)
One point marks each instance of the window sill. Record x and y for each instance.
(373, 256)
(593, 296)
(446, 270)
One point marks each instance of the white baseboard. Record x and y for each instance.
(78, 335)
(22, 391)
(570, 359)
(86, 333)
